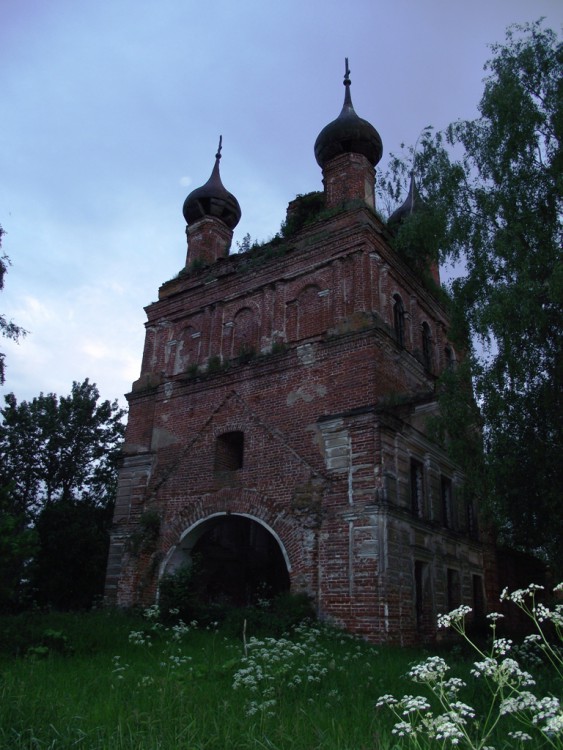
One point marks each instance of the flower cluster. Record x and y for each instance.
(503, 679)
(140, 638)
(456, 616)
(277, 664)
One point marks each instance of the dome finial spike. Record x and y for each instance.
(218, 154)
(347, 96)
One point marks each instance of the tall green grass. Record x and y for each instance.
(96, 689)
(81, 681)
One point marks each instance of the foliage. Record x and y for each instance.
(60, 448)
(8, 328)
(18, 544)
(305, 210)
(69, 567)
(130, 683)
(214, 365)
(272, 616)
(180, 599)
(124, 682)
(58, 473)
(492, 193)
(246, 353)
(247, 243)
(512, 706)
(145, 537)
(178, 595)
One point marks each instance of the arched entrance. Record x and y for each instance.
(237, 558)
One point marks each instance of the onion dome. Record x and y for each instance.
(348, 134)
(413, 202)
(213, 199)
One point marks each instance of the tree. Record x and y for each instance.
(58, 474)
(492, 193)
(8, 328)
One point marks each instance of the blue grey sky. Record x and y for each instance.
(111, 115)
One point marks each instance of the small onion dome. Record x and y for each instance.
(348, 134)
(212, 199)
(413, 202)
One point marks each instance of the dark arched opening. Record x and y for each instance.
(237, 561)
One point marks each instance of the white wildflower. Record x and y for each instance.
(502, 646)
(386, 700)
(454, 685)
(403, 728)
(494, 616)
(413, 704)
(454, 617)
(546, 708)
(431, 670)
(524, 701)
(520, 736)
(463, 710)
(554, 725)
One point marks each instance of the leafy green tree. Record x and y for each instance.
(58, 474)
(69, 567)
(8, 328)
(18, 545)
(491, 198)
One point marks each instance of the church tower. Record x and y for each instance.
(278, 429)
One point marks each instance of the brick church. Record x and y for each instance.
(278, 429)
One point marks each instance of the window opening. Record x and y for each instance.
(426, 346)
(229, 451)
(447, 519)
(454, 589)
(478, 598)
(471, 520)
(417, 488)
(419, 592)
(399, 320)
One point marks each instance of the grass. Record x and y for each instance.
(102, 691)
(110, 681)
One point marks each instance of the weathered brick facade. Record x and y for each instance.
(279, 427)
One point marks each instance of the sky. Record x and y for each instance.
(111, 115)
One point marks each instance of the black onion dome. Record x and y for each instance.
(348, 134)
(212, 199)
(412, 203)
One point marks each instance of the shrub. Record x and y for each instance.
(178, 597)
(271, 617)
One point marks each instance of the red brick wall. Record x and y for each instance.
(316, 471)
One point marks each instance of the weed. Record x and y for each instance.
(511, 709)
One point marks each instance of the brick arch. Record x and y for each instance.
(307, 313)
(245, 330)
(190, 349)
(240, 501)
(191, 535)
(243, 558)
(240, 333)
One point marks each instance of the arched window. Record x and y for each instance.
(399, 319)
(426, 346)
(449, 358)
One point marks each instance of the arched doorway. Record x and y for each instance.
(238, 559)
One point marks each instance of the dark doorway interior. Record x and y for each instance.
(238, 562)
